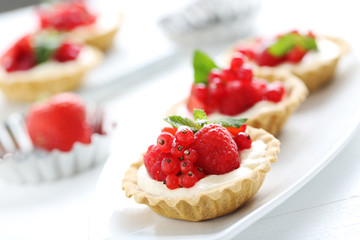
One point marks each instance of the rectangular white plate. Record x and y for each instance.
(310, 140)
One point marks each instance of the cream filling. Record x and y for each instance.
(250, 159)
(87, 57)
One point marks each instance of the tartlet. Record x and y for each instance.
(94, 28)
(315, 67)
(268, 115)
(211, 203)
(49, 76)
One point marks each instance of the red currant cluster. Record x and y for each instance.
(173, 160)
(233, 90)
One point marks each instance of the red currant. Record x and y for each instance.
(164, 142)
(250, 54)
(172, 181)
(156, 173)
(243, 141)
(186, 166)
(228, 75)
(201, 92)
(266, 59)
(216, 88)
(275, 92)
(184, 136)
(177, 150)
(198, 172)
(191, 155)
(170, 130)
(235, 131)
(170, 165)
(188, 180)
(215, 73)
(237, 61)
(245, 74)
(296, 54)
(67, 52)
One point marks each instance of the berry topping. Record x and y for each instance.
(230, 91)
(209, 149)
(65, 16)
(170, 130)
(188, 180)
(243, 141)
(172, 181)
(164, 142)
(58, 123)
(184, 136)
(218, 153)
(67, 52)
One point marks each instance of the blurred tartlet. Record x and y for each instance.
(313, 58)
(45, 63)
(59, 138)
(76, 18)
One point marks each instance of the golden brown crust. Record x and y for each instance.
(272, 120)
(213, 203)
(27, 87)
(314, 75)
(104, 39)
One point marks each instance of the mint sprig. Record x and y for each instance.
(45, 45)
(200, 120)
(203, 65)
(285, 43)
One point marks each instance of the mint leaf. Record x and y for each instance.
(285, 43)
(45, 44)
(229, 122)
(202, 66)
(178, 121)
(199, 114)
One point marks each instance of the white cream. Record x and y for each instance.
(250, 159)
(86, 58)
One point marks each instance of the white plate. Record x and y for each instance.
(310, 140)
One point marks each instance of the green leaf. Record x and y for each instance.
(229, 122)
(199, 114)
(285, 43)
(178, 121)
(45, 45)
(202, 64)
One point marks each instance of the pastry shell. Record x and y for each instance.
(272, 120)
(26, 86)
(313, 75)
(212, 203)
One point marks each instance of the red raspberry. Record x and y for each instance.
(184, 136)
(228, 75)
(172, 181)
(152, 156)
(170, 165)
(58, 123)
(164, 142)
(216, 88)
(245, 74)
(243, 141)
(218, 153)
(274, 92)
(237, 61)
(215, 73)
(190, 155)
(201, 92)
(188, 180)
(234, 101)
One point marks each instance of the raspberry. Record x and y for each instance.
(237, 61)
(243, 141)
(164, 142)
(170, 165)
(228, 75)
(234, 102)
(218, 153)
(152, 156)
(245, 74)
(266, 59)
(177, 150)
(215, 73)
(67, 52)
(274, 92)
(172, 181)
(216, 88)
(186, 166)
(191, 155)
(184, 136)
(188, 180)
(296, 54)
(201, 92)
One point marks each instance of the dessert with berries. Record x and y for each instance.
(266, 98)
(311, 57)
(75, 18)
(64, 136)
(201, 169)
(44, 63)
